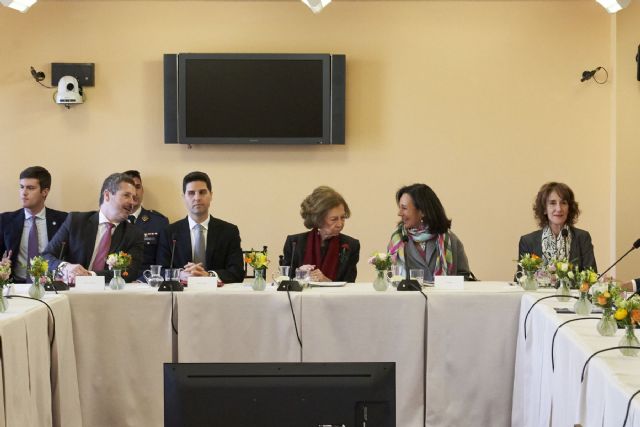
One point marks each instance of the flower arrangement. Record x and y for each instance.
(605, 294)
(381, 261)
(586, 278)
(628, 311)
(119, 261)
(562, 268)
(257, 260)
(38, 268)
(530, 263)
(5, 271)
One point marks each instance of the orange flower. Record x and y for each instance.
(635, 315)
(534, 256)
(602, 300)
(125, 273)
(584, 287)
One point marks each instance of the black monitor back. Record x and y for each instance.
(279, 394)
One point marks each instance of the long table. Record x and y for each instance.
(553, 394)
(120, 339)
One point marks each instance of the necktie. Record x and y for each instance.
(32, 244)
(100, 260)
(199, 245)
(132, 219)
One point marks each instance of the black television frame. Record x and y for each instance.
(280, 394)
(333, 98)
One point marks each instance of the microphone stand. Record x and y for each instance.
(57, 285)
(291, 285)
(171, 285)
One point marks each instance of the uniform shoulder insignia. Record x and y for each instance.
(145, 218)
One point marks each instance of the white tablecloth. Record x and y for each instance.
(543, 396)
(122, 340)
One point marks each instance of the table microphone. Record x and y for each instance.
(291, 285)
(407, 284)
(636, 245)
(171, 285)
(57, 285)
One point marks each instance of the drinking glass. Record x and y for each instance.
(417, 274)
(283, 274)
(172, 274)
(397, 275)
(302, 276)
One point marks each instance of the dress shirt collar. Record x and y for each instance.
(205, 223)
(137, 212)
(40, 215)
(102, 219)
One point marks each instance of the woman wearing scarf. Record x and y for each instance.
(556, 210)
(429, 244)
(330, 255)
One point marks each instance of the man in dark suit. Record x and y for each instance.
(22, 238)
(203, 244)
(86, 238)
(149, 221)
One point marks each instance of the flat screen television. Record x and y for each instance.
(279, 394)
(254, 98)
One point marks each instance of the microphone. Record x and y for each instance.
(407, 284)
(291, 285)
(58, 285)
(171, 285)
(565, 234)
(636, 245)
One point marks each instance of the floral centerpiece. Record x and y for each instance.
(604, 295)
(259, 261)
(586, 278)
(5, 277)
(627, 315)
(117, 262)
(37, 269)
(530, 263)
(381, 261)
(563, 270)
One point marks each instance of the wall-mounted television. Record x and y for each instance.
(234, 98)
(280, 394)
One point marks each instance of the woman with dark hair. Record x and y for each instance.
(330, 255)
(556, 210)
(423, 233)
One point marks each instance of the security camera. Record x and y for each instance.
(69, 91)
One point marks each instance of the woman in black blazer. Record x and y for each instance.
(556, 211)
(331, 255)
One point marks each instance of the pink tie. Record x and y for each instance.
(100, 261)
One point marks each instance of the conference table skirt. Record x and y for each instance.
(121, 340)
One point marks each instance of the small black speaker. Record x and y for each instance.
(170, 98)
(338, 87)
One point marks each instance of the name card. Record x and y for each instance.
(449, 282)
(90, 283)
(205, 283)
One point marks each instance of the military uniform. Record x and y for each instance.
(151, 223)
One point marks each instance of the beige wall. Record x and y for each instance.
(628, 136)
(479, 99)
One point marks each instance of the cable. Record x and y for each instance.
(602, 351)
(295, 323)
(605, 79)
(553, 340)
(524, 326)
(53, 318)
(173, 326)
(424, 356)
(626, 415)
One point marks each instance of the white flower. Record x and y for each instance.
(564, 266)
(570, 275)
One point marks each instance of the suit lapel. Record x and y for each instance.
(300, 249)
(183, 240)
(90, 230)
(118, 236)
(342, 260)
(16, 232)
(212, 240)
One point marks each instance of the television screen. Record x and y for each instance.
(279, 394)
(256, 98)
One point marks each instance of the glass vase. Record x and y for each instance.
(36, 290)
(4, 303)
(582, 305)
(380, 282)
(563, 291)
(259, 282)
(607, 325)
(629, 338)
(529, 282)
(117, 282)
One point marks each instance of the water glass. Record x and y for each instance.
(417, 274)
(283, 274)
(397, 275)
(302, 276)
(172, 274)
